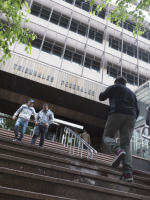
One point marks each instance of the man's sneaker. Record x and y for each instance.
(18, 140)
(127, 177)
(15, 138)
(119, 156)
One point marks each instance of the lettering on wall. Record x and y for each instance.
(51, 78)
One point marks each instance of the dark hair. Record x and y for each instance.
(121, 80)
(45, 104)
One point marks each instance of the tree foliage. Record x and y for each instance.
(123, 9)
(11, 29)
(7, 123)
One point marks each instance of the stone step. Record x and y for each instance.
(50, 152)
(97, 170)
(57, 187)
(52, 145)
(58, 158)
(20, 164)
(13, 194)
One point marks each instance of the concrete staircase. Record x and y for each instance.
(31, 172)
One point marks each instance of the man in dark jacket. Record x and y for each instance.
(122, 116)
(43, 119)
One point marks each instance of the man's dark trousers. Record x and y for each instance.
(125, 124)
(39, 129)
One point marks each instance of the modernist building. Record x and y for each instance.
(74, 58)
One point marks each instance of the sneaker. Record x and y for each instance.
(119, 156)
(18, 140)
(127, 177)
(15, 138)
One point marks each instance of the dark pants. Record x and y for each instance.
(125, 124)
(39, 129)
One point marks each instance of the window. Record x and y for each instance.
(68, 55)
(37, 43)
(78, 3)
(47, 47)
(69, 1)
(143, 56)
(77, 58)
(113, 72)
(45, 14)
(91, 34)
(57, 51)
(54, 18)
(73, 26)
(35, 10)
(101, 14)
(64, 22)
(115, 44)
(131, 79)
(95, 65)
(87, 63)
(86, 7)
(82, 30)
(129, 50)
(99, 37)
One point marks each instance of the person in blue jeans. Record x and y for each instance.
(43, 119)
(24, 112)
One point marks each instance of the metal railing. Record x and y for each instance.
(75, 144)
(143, 135)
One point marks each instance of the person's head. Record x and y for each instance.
(45, 106)
(85, 131)
(30, 102)
(120, 80)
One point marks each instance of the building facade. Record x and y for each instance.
(75, 56)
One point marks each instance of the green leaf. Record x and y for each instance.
(28, 11)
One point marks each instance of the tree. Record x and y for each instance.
(11, 30)
(7, 123)
(123, 9)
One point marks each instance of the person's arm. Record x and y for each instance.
(51, 120)
(36, 117)
(17, 112)
(106, 94)
(137, 108)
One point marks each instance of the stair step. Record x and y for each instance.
(10, 193)
(57, 187)
(48, 170)
(50, 144)
(71, 162)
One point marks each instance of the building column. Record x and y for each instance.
(67, 34)
(138, 59)
(46, 29)
(86, 44)
(122, 46)
(106, 27)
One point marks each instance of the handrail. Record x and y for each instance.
(146, 137)
(72, 135)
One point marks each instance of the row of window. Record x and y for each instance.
(63, 21)
(69, 55)
(130, 27)
(129, 50)
(85, 6)
(131, 79)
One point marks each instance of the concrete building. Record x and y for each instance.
(74, 58)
